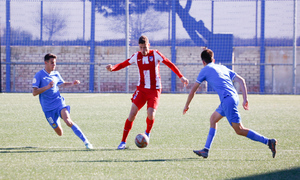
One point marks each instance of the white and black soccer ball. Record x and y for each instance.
(141, 140)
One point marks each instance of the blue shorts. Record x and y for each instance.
(229, 109)
(54, 115)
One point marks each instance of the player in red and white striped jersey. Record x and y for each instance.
(149, 85)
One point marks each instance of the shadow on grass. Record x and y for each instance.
(29, 149)
(157, 160)
(141, 160)
(287, 174)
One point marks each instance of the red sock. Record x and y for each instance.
(149, 125)
(127, 128)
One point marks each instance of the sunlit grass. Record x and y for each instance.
(30, 149)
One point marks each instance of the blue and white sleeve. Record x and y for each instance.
(201, 77)
(60, 79)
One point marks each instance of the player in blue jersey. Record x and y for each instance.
(220, 78)
(46, 84)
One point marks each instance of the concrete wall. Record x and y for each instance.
(188, 61)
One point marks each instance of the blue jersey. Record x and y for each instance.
(51, 98)
(220, 78)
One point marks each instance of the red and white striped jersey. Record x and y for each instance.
(148, 66)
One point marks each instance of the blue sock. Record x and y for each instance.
(257, 137)
(79, 133)
(210, 138)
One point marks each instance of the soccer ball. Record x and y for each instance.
(141, 140)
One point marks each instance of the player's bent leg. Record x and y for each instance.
(151, 113)
(133, 112)
(77, 131)
(239, 129)
(128, 125)
(65, 115)
(150, 120)
(149, 126)
(59, 131)
(126, 130)
(214, 119)
(54, 121)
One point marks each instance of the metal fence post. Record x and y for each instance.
(127, 44)
(262, 48)
(8, 46)
(92, 48)
(273, 79)
(295, 48)
(99, 87)
(41, 25)
(14, 77)
(83, 23)
(173, 46)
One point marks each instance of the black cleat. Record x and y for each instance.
(202, 152)
(272, 145)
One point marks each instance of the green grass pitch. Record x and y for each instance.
(30, 149)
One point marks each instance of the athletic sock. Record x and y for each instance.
(210, 138)
(149, 125)
(127, 128)
(257, 137)
(79, 133)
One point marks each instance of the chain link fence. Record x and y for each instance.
(262, 35)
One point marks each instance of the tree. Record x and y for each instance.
(196, 29)
(54, 23)
(17, 35)
(140, 23)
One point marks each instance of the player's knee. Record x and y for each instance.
(150, 116)
(239, 129)
(212, 120)
(238, 132)
(241, 132)
(69, 122)
(132, 116)
(133, 113)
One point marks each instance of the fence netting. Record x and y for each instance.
(254, 37)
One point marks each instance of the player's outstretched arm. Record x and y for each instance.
(70, 84)
(119, 66)
(190, 97)
(243, 86)
(37, 91)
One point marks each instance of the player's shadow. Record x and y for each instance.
(159, 160)
(29, 149)
(138, 160)
(287, 174)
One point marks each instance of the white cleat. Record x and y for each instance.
(122, 146)
(89, 146)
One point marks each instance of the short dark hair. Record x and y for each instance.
(49, 56)
(143, 40)
(207, 56)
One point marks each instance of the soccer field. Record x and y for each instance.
(30, 149)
